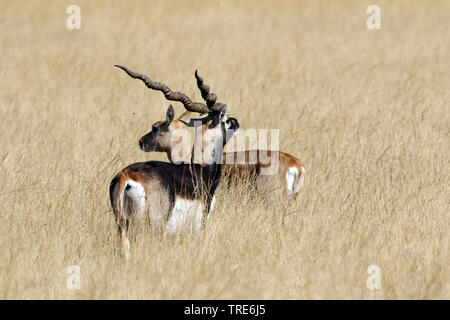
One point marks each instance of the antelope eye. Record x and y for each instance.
(155, 127)
(228, 121)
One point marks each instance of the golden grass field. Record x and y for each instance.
(365, 110)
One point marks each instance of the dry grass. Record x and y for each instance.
(367, 111)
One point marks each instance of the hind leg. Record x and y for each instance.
(126, 242)
(121, 222)
(122, 229)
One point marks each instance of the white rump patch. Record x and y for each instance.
(186, 214)
(291, 175)
(300, 183)
(135, 196)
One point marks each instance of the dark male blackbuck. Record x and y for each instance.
(274, 172)
(172, 197)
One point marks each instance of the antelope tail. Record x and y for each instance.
(117, 198)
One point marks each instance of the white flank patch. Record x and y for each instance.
(291, 174)
(186, 214)
(136, 194)
(300, 183)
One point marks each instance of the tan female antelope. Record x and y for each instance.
(241, 166)
(172, 197)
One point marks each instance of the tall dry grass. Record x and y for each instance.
(367, 111)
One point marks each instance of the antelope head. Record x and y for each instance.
(160, 138)
(217, 127)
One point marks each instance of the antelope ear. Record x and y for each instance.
(169, 114)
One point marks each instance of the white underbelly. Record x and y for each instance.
(211, 206)
(186, 215)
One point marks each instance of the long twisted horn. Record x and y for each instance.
(189, 105)
(210, 98)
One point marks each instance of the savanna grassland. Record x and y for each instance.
(365, 110)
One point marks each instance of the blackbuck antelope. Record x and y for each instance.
(251, 166)
(169, 196)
